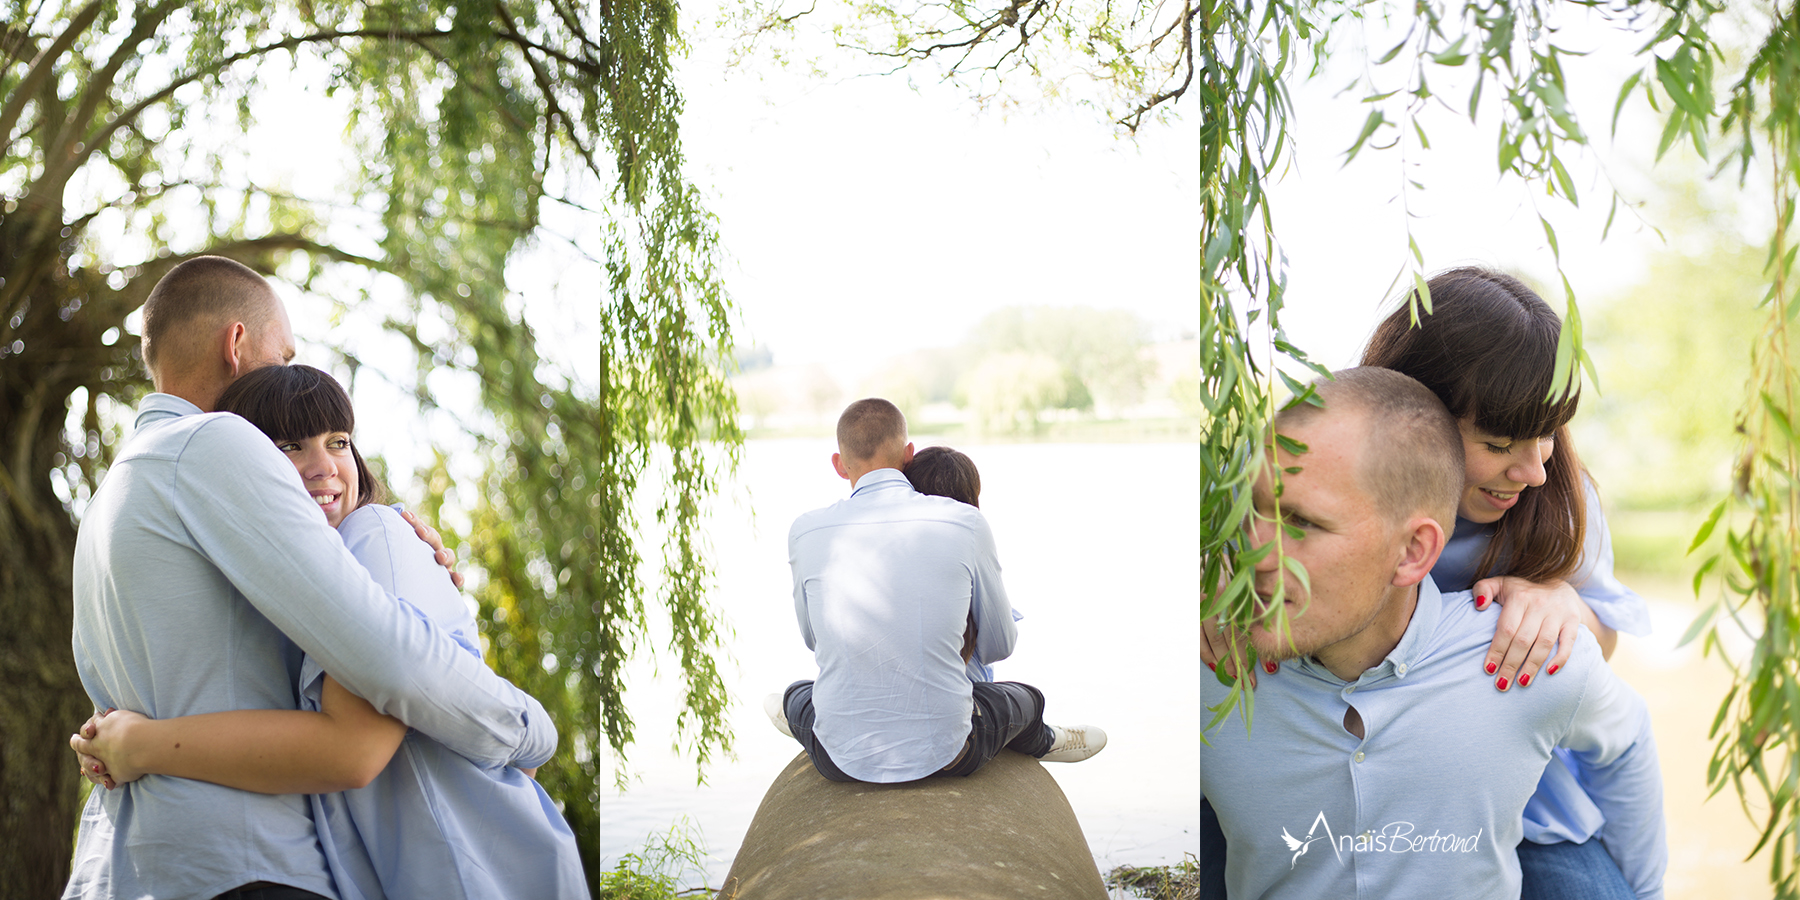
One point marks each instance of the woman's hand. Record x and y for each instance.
(104, 746)
(1215, 651)
(1533, 618)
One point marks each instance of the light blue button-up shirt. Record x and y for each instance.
(1428, 802)
(433, 825)
(198, 559)
(883, 586)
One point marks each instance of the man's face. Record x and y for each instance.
(1348, 547)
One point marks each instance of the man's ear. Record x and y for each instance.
(906, 455)
(837, 465)
(233, 339)
(1424, 542)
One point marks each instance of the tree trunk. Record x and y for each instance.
(51, 325)
(41, 702)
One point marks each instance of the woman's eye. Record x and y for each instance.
(340, 444)
(288, 447)
(1500, 448)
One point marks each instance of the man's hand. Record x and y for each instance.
(968, 648)
(430, 535)
(1533, 618)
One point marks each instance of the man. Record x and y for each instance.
(1377, 764)
(202, 570)
(884, 585)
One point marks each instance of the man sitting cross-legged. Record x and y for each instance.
(1378, 763)
(884, 585)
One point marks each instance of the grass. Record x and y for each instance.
(654, 872)
(1177, 882)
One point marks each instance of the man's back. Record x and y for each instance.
(883, 585)
(160, 630)
(1428, 802)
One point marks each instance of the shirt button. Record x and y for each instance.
(1401, 668)
(1359, 756)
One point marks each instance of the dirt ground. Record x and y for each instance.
(1707, 838)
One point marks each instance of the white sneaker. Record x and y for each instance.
(772, 706)
(1075, 744)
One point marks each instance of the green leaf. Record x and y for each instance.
(1290, 445)
(1375, 120)
(1676, 77)
(1619, 105)
(1452, 55)
(1706, 528)
(1699, 624)
(1563, 180)
(1550, 233)
(1388, 57)
(1671, 131)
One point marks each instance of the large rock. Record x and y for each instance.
(1004, 833)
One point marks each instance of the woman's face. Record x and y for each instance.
(1496, 469)
(325, 464)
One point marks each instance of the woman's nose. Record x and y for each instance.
(1529, 470)
(314, 463)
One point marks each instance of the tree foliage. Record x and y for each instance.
(121, 155)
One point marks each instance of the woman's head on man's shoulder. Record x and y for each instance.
(297, 402)
(943, 472)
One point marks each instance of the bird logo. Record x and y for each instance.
(1299, 845)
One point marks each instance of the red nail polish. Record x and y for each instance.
(1552, 670)
(1491, 668)
(1525, 680)
(1480, 602)
(96, 770)
(1212, 667)
(1500, 683)
(1269, 667)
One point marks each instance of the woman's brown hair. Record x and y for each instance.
(291, 403)
(943, 472)
(1488, 350)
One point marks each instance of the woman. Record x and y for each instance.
(1529, 535)
(943, 472)
(398, 814)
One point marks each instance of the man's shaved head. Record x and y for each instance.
(1412, 454)
(189, 305)
(872, 430)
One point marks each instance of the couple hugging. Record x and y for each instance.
(897, 591)
(1441, 721)
(302, 710)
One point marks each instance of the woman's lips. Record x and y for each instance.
(1501, 500)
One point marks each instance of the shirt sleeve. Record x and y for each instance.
(995, 634)
(1614, 750)
(1614, 604)
(247, 512)
(795, 563)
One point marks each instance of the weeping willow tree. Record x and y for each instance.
(1226, 67)
(123, 152)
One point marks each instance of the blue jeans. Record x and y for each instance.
(1564, 871)
(1007, 714)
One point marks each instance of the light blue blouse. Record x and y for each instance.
(1560, 810)
(434, 824)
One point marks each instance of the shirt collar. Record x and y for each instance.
(880, 480)
(1414, 645)
(157, 407)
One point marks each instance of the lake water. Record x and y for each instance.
(1099, 543)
